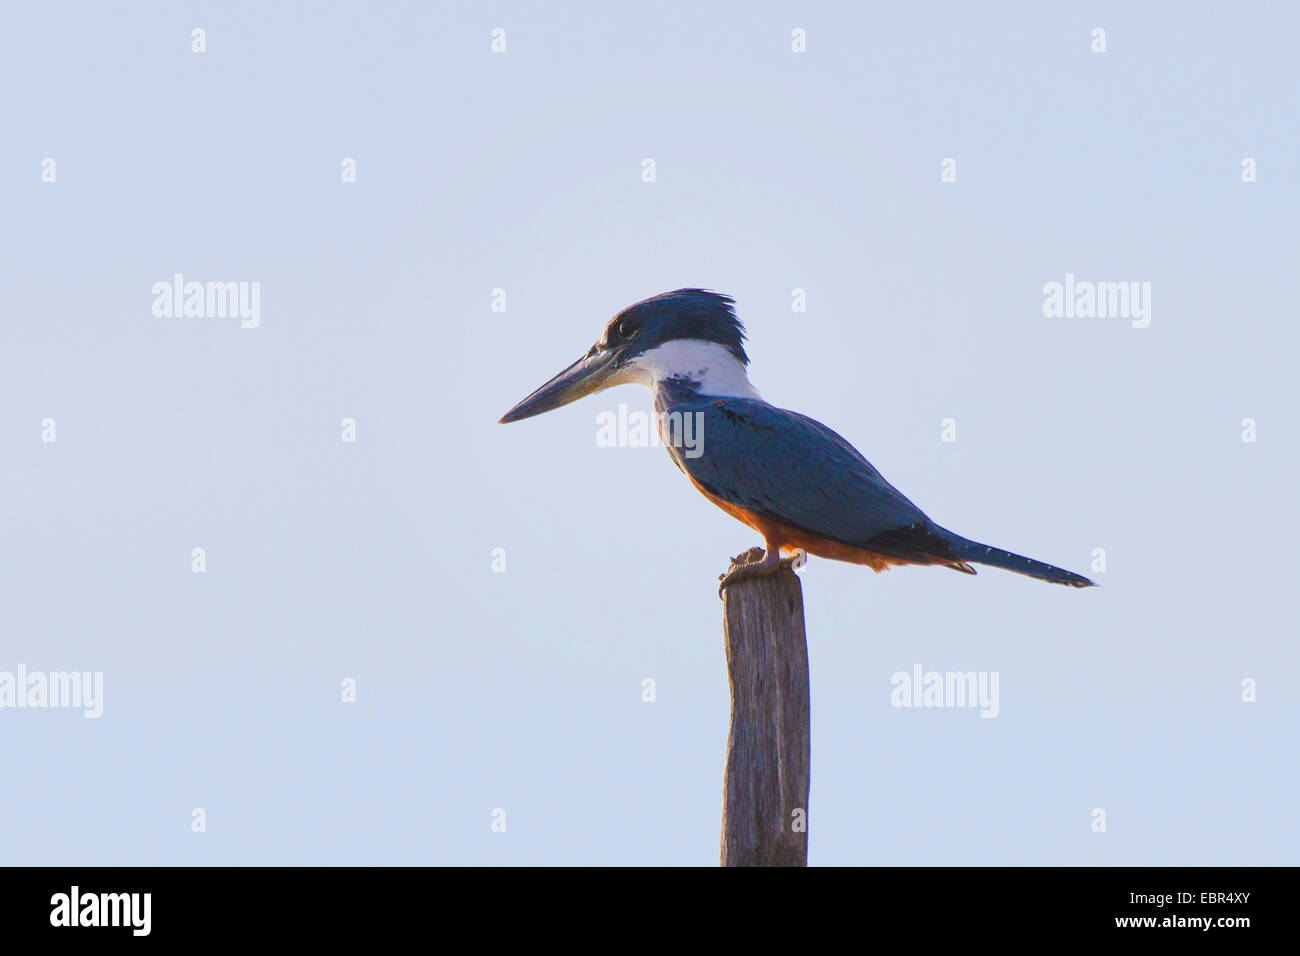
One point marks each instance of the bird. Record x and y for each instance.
(790, 478)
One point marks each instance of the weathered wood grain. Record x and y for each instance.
(765, 786)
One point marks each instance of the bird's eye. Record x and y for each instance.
(626, 331)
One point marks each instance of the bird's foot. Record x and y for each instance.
(750, 565)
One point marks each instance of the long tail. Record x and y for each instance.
(968, 550)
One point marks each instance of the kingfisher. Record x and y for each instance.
(796, 482)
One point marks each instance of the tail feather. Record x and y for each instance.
(977, 553)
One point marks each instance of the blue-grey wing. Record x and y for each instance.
(787, 467)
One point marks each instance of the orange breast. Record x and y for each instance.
(778, 535)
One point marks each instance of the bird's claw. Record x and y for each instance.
(770, 563)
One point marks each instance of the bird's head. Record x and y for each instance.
(690, 334)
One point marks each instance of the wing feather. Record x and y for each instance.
(793, 469)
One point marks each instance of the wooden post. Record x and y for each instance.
(765, 786)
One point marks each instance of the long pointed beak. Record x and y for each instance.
(588, 374)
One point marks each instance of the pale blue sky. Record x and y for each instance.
(775, 170)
